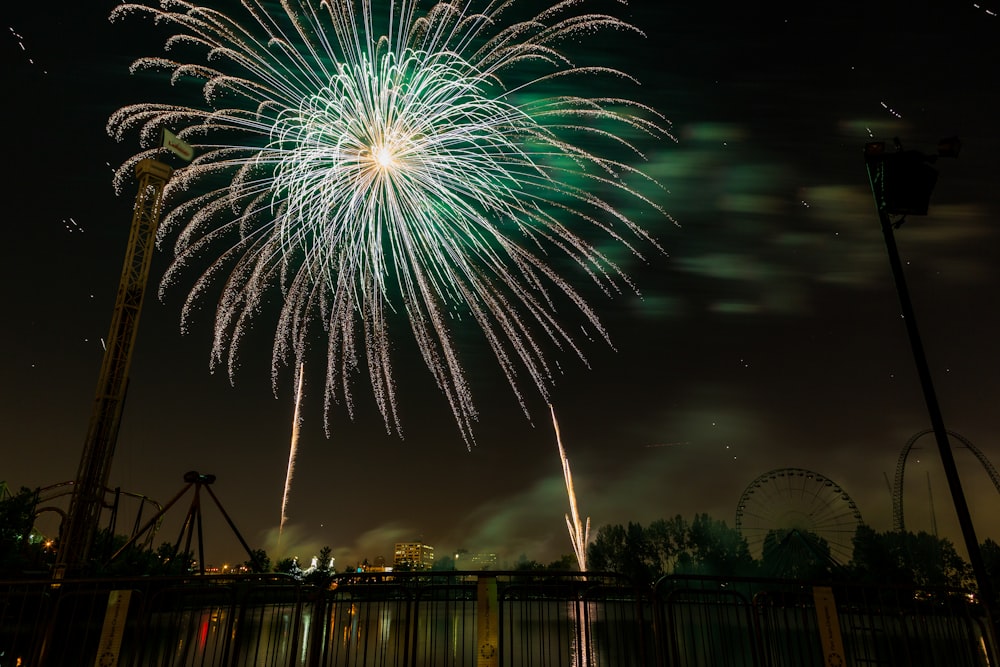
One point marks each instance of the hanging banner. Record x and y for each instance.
(487, 619)
(829, 627)
(113, 629)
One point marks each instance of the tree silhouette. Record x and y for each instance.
(905, 558)
(17, 516)
(796, 554)
(668, 546)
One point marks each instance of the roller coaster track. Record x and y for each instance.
(898, 522)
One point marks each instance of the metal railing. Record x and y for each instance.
(776, 623)
(484, 619)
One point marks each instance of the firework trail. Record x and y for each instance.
(370, 166)
(293, 449)
(578, 534)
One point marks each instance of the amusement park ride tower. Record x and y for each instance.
(88, 497)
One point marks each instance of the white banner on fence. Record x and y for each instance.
(829, 627)
(487, 620)
(114, 629)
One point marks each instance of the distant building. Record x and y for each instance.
(413, 556)
(466, 560)
(483, 561)
(377, 566)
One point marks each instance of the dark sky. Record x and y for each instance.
(768, 338)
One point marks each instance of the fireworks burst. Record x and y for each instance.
(426, 164)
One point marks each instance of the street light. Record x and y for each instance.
(902, 182)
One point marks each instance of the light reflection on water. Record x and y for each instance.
(379, 632)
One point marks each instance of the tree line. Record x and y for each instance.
(708, 546)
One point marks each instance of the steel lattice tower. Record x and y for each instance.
(87, 501)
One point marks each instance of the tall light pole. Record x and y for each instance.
(902, 182)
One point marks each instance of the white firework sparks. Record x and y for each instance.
(579, 534)
(293, 450)
(359, 167)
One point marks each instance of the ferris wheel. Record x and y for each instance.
(795, 499)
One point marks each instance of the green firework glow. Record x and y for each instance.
(410, 163)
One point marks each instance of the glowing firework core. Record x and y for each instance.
(408, 161)
(384, 157)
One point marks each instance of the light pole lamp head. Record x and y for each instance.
(874, 152)
(904, 179)
(909, 181)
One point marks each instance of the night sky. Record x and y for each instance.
(768, 337)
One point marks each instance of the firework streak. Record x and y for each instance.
(293, 449)
(578, 534)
